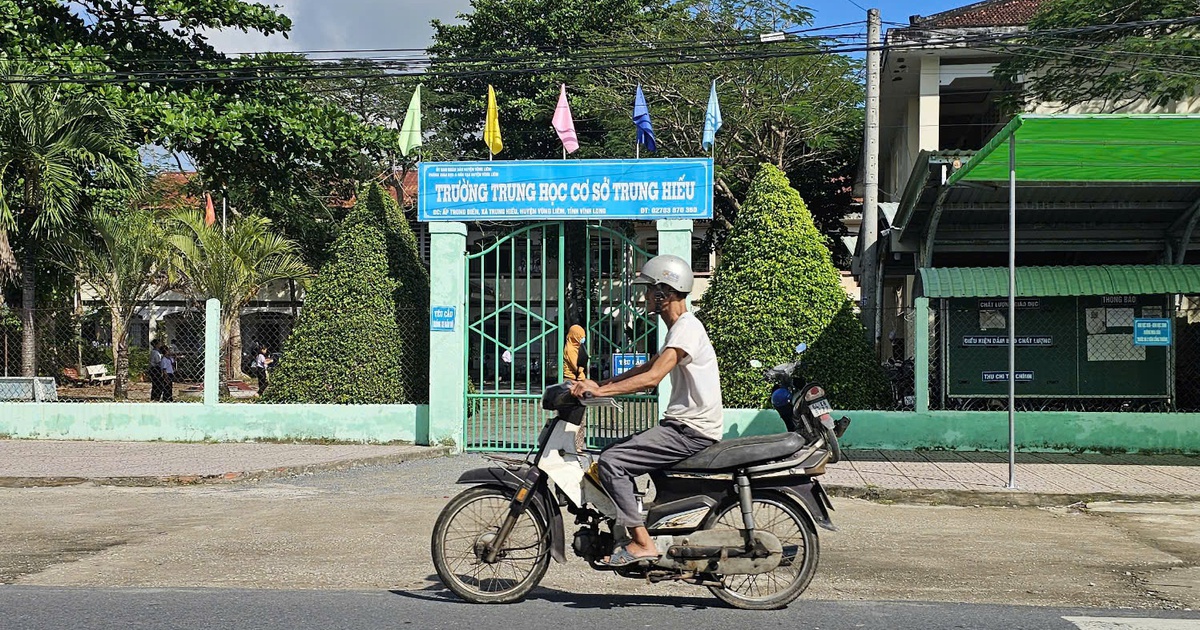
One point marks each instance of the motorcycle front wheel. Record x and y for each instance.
(460, 538)
(801, 551)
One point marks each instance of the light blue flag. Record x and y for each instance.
(712, 118)
(641, 120)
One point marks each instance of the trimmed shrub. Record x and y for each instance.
(346, 346)
(411, 295)
(776, 287)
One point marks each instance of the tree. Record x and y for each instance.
(231, 264)
(122, 259)
(411, 295)
(1064, 61)
(50, 137)
(776, 287)
(346, 346)
(541, 33)
(793, 104)
(258, 126)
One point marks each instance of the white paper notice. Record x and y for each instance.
(1114, 348)
(1095, 321)
(1119, 318)
(992, 320)
(1152, 312)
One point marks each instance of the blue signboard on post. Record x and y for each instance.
(623, 362)
(441, 318)
(1152, 332)
(535, 190)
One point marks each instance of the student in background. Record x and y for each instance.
(155, 370)
(167, 364)
(261, 361)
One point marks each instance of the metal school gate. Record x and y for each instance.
(524, 291)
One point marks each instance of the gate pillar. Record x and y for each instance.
(674, 237)
(447, 338)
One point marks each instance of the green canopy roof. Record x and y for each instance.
(942, 282)
(1120, 148)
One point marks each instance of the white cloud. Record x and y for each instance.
(347, 24)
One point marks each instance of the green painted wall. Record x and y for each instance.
(968, 431)
(187, 422)
(988, 431)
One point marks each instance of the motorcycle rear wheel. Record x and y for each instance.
(462, 531)
(780, 516)
(831, 442)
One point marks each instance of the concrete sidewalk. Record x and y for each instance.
(1041, 478)
(52, 462)
(938, 476)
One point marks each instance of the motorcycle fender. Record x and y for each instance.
(543, 503)
(813, 497)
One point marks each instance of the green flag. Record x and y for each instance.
(410, 132)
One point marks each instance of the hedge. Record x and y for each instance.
(776, 287)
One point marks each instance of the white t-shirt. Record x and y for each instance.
(695, 381)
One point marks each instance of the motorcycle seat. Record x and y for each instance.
(728, 454)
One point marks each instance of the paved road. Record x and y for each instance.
(40, 608)
(368, 530)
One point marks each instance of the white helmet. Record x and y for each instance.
(667, 269)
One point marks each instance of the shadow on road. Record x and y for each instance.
(439, 593)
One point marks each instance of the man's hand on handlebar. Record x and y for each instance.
(582, 389)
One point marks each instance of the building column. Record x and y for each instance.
(212, 351)
(921, 356)
(447, 336)
(930, 103)
(674, 237)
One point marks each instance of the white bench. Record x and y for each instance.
(98, 374)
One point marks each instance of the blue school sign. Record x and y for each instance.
(535, 190)
(1152, 332)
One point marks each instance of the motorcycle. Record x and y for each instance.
(739, 517)
(804, 406)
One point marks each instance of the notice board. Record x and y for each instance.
(1067, 347)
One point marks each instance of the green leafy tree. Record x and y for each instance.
(231, 264)
(1064, 61)
(800, 112)
(121, 258)
(346, 346)
(50, 139)
(539, 33)
(776, 287)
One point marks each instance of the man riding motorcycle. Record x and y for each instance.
(693, 420)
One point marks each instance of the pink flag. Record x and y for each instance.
(564, 124)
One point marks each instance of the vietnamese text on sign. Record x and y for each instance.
(1025, 376)
(992, 341)
(1152, 332)
(566, 189)
(441, 318)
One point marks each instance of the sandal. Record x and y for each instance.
(622, 558)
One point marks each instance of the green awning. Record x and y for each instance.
(991, 282)
(1124, 148)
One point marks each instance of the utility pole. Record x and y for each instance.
(869, 230)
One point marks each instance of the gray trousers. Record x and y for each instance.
(669, 442)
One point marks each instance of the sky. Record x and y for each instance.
(365, 24)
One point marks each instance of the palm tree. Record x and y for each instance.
(51, 138)
(122, 258)
(231, 264)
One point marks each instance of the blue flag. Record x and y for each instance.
(641, 119)
(712, 118)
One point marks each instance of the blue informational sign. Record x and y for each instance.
(1152, 332)
(532, 190)
(627, 361)
(441, 318)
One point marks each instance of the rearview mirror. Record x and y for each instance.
(755, 363)
(800, 348)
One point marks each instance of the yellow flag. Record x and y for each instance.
(491, 128)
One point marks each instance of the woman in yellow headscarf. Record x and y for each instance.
(575, 356)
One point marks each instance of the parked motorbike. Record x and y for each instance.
(803, 405)
(739, 517)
